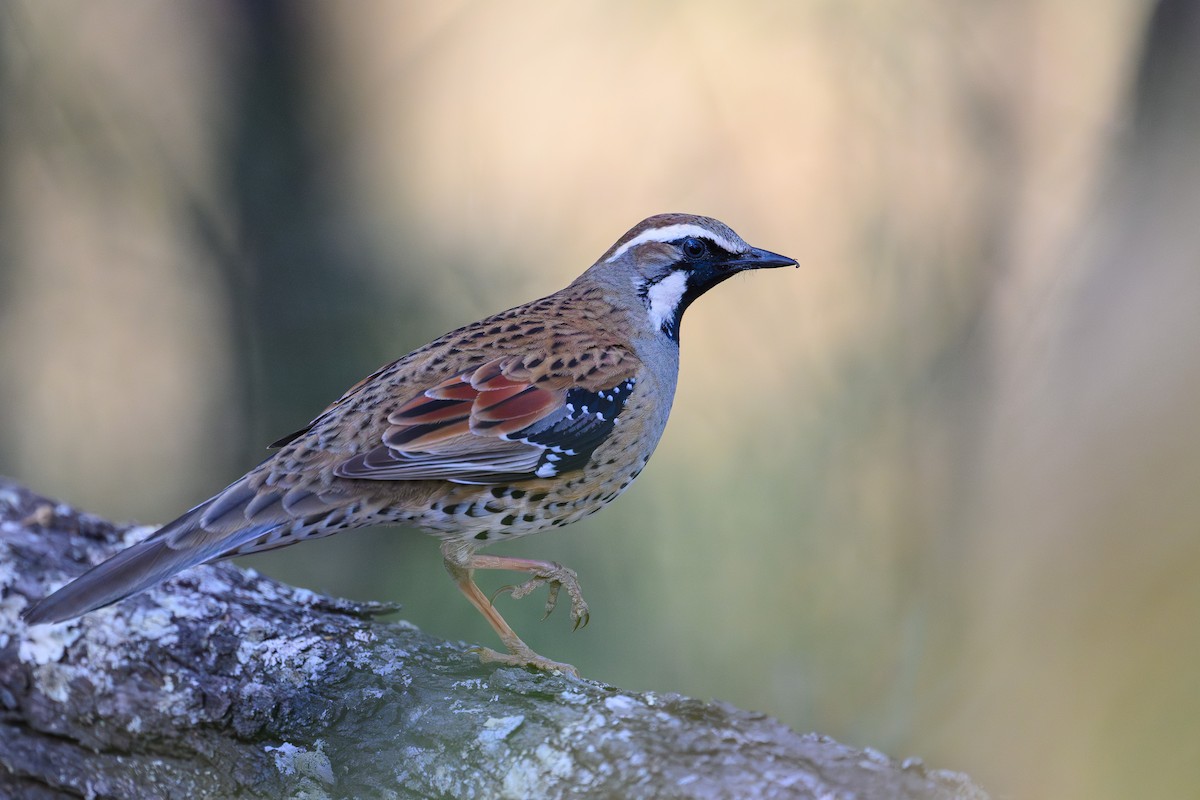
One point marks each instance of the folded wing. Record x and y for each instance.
(499, 423)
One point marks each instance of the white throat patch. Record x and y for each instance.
(664, 298)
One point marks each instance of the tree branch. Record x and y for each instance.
(222, 683)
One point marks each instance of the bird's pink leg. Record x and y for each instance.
(461, 563)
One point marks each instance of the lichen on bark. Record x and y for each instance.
(223, 683)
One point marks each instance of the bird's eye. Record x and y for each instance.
(694, 248)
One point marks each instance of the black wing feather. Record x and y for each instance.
(573, 434)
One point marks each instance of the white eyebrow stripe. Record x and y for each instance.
(670, 233)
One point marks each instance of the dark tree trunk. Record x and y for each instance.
(223, 683)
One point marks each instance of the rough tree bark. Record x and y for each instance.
(223, 683)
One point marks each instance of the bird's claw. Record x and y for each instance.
(551, 599)
(556, 578)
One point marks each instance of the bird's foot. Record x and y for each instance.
(524, 657)
(557, 577)
(461, 562)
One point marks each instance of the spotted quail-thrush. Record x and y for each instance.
(527, 420)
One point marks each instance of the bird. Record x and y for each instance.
(524, 421)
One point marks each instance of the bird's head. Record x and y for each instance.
(671, 259)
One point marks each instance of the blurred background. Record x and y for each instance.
(936, 492)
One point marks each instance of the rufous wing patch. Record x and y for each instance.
(510, 419)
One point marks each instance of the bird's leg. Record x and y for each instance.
(545, 573)
(461, 563)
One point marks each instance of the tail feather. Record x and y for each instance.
(241, 518)
(173, 548)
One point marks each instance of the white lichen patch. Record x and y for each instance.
(497, 729)
(110, 641)
(588, 722)
(209, 581)
(10, 619)
(537, 775)
(46, 644)
(188, 605)
(302, 762)
(153, 623)
(460, 707)
(620, 704)
(109, 631)
(266, 590)
(385, 661)
(301, 659)
(181, 701)
(573, 697)
(285, 757)
(303, 596)
(253, 630)
(54, 681)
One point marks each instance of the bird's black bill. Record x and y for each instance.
(756, 258)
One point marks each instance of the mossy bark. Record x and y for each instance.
(222, 683)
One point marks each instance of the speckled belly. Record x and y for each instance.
(491, 513)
